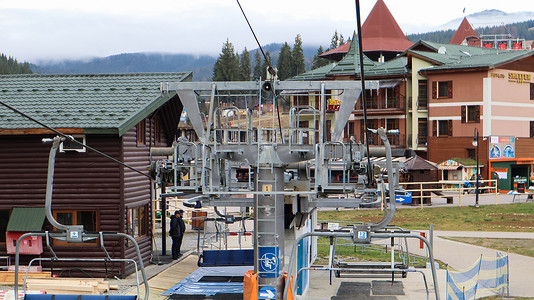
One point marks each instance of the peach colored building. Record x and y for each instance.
(473, 89)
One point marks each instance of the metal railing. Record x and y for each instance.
(436, 189)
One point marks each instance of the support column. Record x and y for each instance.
(269, 224)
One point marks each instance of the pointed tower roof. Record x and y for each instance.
(380, 31)
(465, 35)
(350, 64)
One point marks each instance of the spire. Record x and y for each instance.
(380, 32)
(465, 35)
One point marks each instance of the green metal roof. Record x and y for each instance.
(350, 65)
(466, 57)
(26, 219)
(315, 74)
(97, 103)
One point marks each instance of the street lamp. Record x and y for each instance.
(475, 143)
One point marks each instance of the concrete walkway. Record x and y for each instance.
(457, 255)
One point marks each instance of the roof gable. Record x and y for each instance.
(94, 103)
(380, 31)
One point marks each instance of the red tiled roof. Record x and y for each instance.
(465, 31)
(380, 31)
(341, 49)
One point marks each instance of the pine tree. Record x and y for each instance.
(334, 43)
(226, 67)
(244, 66)
(258, 66)
(265, 65)
(341, 40)
(9, 65)
(317, 60)
(284, 62)
(297, 58)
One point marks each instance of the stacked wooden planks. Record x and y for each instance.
(70, 286)
(8, 277)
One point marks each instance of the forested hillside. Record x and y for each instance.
(9, 65)
(517, 30)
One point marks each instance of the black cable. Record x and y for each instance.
(270, 69)
(70, 138)
(358, 20)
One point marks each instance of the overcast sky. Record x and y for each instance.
(33, 30)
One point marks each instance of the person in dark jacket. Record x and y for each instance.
(177, 232)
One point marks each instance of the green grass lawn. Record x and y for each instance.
(504, 217)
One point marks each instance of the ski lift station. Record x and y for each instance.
(285, 170)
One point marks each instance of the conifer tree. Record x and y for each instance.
(244, 66)
(334, 43)
(317, 60)
(9, 65)
(226, 67)
(258, 65)
(297, 58)
(284, 62)
(265, 65)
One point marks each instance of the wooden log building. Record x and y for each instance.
(121, 115)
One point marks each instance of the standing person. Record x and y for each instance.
(177, 232)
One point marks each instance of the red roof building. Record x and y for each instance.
(465, 35)
(338, 53)
(382, 39)
(381, 33)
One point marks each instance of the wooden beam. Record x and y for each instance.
(28, 131)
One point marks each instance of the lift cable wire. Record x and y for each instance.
(364, 102)
(270, 69)
(70, 138)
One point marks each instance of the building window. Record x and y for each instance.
(444, 127)
(87, 218)
(4, 218)
(531, 129)
(71, 146)
(471, 153)
(423, 94)
(422, 131)
(471, 114)
(138, 221)
(141, 133)
(441, 89)
(532, 91)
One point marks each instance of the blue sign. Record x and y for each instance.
(267, 292)
(404, 197)
(268, 261)
(362, 235)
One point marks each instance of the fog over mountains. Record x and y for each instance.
(202, 66)
(489, 18)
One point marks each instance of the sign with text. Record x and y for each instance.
(501, 147)
(334, 104)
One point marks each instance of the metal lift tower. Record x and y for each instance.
(292, 156)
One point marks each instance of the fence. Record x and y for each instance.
(449, 188)
(487, 274)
